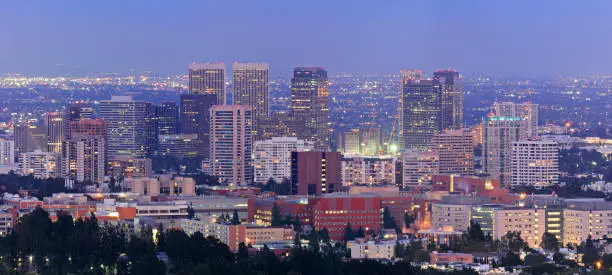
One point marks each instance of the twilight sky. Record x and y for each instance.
(517, 37)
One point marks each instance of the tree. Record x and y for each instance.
(475, 232)
(533, 259)
(324, 235)
(591, 254)
(271, 185)
(388, 221)
(511, 259)
(549, 242)
(513, 241)
(348, 233)
(409, 219)
(277, 220)
(360, 233)
(235, 218)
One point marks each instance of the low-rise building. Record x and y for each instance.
(586, 217)
(372, 249)
(368, 170)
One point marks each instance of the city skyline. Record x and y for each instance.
(558, 39)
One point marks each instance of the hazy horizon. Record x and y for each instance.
(513, 38)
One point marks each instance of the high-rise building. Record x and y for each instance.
(250, 87)
(195, 119)
(78, 111)
(527, 112)
(455, 151)
(231, 143)
(125, 118)
(350, 142)
(56, 131)
(419, 167)
(272, 157)
(208, 78)
(368, 170)
(84, 158)
(315, 173)
(29, 137)
(498, 134)
(124, 166)
(40, 164)
(151, 130)
(419, 110)
(167, 118)
(451, 103)
(371, 140)
(89, 126)
(178, 146)
(309, 105)
(535, 163)
(278, 124)
(7, 152)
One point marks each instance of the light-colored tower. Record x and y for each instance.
(7, 152)
(451, 103)
(455, 150)
(125, 120)
(309, 105)
(208, 78)
(231, 143)
(250, 87)
(498, 134)
(39, 164)
(535, 163)
(419, 167)
(84, 158)
(528, 112)
(273, 157)
(420, 110)
(57, 128)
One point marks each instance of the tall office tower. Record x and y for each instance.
(419, 110)
(89, 126)
(208, 78)
(250, 87)
(56, 131)
(451, 103)
(498, 134)
(477, 134)
(455, 151)
(309, 105)
(528, 112)
(7, 152)
(350, 143)
(316, 173)
(195, 119)
(125, 119)
(231, 143)
(151, 131)
(84, 158)
(535, 163)
(272, 157)
(78, 111)
(178, 146)
(418, 167)
(167, 118)
(278, 124)
(29, 138)
(39, 164)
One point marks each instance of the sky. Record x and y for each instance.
(544, 37)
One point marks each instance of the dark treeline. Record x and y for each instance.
(82, 246)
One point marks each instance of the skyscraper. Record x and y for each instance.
(418, 167)
(419, 110)
(208, 78)
(125, 118)
(78, 111)
(89, 126)
(231, 143)
(451, 103)
(195, 119)
(250, 87)
(535, 163)
(56, 131)
(273, 157)
(309, 105)
(167, 118)
(528, 112)
(497, 136)
(315, 173)
(151, 131)
(84, 158)
(7, 152)
(455, 151)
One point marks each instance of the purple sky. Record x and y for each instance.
(505, 37)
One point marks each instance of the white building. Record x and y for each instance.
(368, 170)
(231, 143)
(498, 135)
(7, 152)
(418, 167)
(535, 163)
(527, 112)
(272, 157)
(372, 249)
(40, 164)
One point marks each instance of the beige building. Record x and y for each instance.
(368, 170)
(455, 151)
(418, 167)
(530, 222)
(455, 211)
(372, 249)
(585, 217)
(165, 184)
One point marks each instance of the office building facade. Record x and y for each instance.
(455, 152)
(498, 135)
(231, 143)
(208, 78)
(315, 173)
(272, 157)
(535, 163)
(309, 105)
(125, 119)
